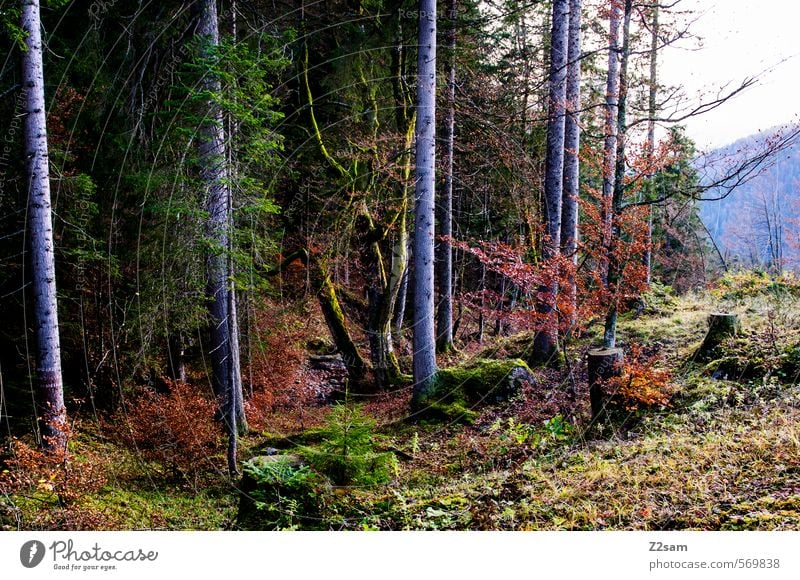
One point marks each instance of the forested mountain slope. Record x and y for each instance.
(758, 224)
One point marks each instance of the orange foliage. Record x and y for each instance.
(175, 429)
(28, 468)
(273, 377)
(641, 383)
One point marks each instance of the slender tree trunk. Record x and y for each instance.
(218, 271)
(400, 308)
(236, 368)
(651, 136)
(572, 137)
(545, 345)
(48, 381)
(398, 277)
(610, 144)
(405, 120)
(176, 360)
(424, 335)
(444, 339)
(614, 267)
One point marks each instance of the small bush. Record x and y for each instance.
(46, 490)
(273, 376)
(176, 429)
(660, 298)
(641, 383)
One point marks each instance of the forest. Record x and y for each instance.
(387, 265)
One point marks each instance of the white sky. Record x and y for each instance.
(740, 38)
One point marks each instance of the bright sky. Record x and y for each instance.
(740, 38)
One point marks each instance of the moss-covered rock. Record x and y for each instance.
(483, 380)
(454, 412)
(458, 389)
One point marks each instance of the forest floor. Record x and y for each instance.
(722, 454)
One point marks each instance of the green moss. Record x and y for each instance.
(479, 379)
(455, 390)
(169, 508)
(451, 412)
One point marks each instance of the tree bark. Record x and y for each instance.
(545, 345)
(424, 362)
(614, 267)
(444, 339)
(603, 364)
(610, 143)
(48, 380)
(652, 107)
(572, 137)
(400, 307)
(213, 172)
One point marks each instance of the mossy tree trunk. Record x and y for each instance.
(380, 303)
(357, 368)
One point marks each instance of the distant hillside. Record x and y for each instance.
(758, 224)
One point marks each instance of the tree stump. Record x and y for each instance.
(604, 363)
(721, 326)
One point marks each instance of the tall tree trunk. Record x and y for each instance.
(213, 170)
(444, 339)
(236, 367)
(572, 138)
(545, 345)
(610, 144)
(48, 381)
(614, 267)
(651, 136)
(424, 335)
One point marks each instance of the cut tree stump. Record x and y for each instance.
(721, 326)
(604, 363)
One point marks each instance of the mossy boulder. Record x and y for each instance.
(520, 346)
(484, 380)
(458, 389)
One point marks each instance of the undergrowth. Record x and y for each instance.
(710, 450)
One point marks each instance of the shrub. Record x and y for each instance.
(641, 383)
(45, 490)
(273, 375)
(176, 429)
